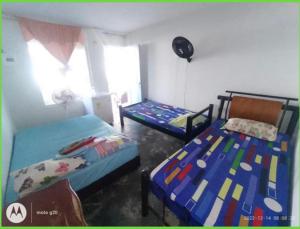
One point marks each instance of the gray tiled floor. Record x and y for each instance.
(119, 203)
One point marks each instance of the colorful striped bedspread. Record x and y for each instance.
(226, 178)
(161, 115)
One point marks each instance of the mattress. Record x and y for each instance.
(159, 114)
(41, 143)
(225, 178)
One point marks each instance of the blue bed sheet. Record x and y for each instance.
(225, 178)
(41, 143)
(160, 115)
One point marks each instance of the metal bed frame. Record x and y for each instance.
(286, 107)
(292, 125)
(189, 135)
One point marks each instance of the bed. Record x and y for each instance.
(41, 145)
(225, 178)
(175, 121)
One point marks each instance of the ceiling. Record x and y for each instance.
(112, 17)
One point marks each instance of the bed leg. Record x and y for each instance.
(210, 113)
(189, 127)
(186, 141)
(121, 116)
(145, 189)
(163, 212)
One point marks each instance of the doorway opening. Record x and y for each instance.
(122, 67)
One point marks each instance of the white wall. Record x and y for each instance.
(7, 142)
(23, 95)
(243, 46)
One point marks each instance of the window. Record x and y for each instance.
(51, 75)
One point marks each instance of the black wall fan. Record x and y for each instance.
(183, 48)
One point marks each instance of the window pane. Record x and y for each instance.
(51, 74)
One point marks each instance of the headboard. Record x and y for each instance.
(286, 107)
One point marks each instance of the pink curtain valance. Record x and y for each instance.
(59, 40)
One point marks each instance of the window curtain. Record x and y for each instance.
(95, 40)
(59, 40)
